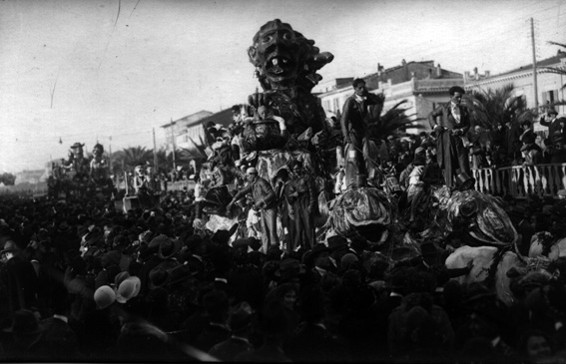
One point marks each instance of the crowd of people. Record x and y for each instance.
(82, 280)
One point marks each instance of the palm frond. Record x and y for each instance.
(556, 43)
(200, 148)
(394, 121)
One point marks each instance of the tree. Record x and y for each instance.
(128, 158)
(393, 122)
(7, 179)
(490, 108)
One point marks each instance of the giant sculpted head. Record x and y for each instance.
(284, 58)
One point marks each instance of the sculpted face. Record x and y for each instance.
(275, 52)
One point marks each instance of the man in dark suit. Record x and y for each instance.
(60, 339)
(450, 129)
(354, 123)
(17, 276)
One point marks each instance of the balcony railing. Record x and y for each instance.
(544, 180)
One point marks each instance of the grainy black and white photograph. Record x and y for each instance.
(283, 181)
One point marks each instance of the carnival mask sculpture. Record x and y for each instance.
(286, 64)
(283, 57)
(479, 215)
(364, 213)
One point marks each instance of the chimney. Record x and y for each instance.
(379, 69)
(438, 70)
(467, 75)
(476, 76)
(487, 74)
(406, 74)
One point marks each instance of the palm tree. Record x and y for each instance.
(490, 108)
(393, 122)
(130, 157)
(164, 160)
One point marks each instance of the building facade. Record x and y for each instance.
(178, 127)
(422, 84)
(549, 85)
(195, 130)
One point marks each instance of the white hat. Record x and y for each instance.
(128, 289)
(104, 296)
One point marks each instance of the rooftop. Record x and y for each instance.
(189, 119)
(548, 62)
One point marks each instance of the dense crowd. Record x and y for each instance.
(80, 280)
(85, 282)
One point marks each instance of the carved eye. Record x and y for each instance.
(267, 38)
(287, 36)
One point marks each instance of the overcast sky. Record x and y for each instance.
(78, 70)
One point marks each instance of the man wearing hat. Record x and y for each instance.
(450, 122)
(556, 134)
(264, 200)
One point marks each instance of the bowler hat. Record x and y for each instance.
(77, 145)
(158, 277)
(24, 322)
(464, 181)
(469, 208)
(428, 249)
(156, 241)
(290, 268)
(168, 248)
(477, 291)
(401, 253)
(241, 317)
(336, 242)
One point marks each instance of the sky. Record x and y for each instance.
(114, 71)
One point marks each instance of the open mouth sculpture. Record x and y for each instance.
(481, 216)
(364, 213)
(278, 65)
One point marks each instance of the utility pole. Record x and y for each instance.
(110, 159)
(534, 64)
(174, 136)
(155, 162)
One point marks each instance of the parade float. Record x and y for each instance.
(79, 177)
(289, 124)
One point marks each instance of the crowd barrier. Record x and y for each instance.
(181, 185)
(544, 180)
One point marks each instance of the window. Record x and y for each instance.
(549, 97)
